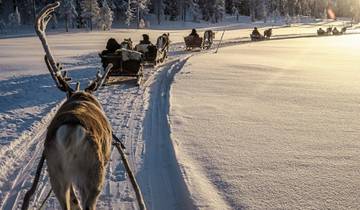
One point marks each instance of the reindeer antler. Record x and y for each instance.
(54, 68)
(100, 79)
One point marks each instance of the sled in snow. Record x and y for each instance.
(148, 51)
(193, 42)
(257, 37)
(127, 63)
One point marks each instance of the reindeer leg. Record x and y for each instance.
(74, 201)
(58, 179)
(62, 192)
(92, 185)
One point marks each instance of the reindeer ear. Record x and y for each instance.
(77, 86)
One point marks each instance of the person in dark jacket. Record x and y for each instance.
(256, 33)
(321, 31)
(146, 39)
(111, 46)
(194, 33)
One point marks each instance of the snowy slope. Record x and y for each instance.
(271, 125)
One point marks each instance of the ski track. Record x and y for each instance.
(124, 105)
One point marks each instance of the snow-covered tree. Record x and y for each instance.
(106, 16)
(130, 14)
(219, 10)
(171, 9)
(54, 21)
(68, 12)
(194, 9)
(208, 10)
(14, 18)
(142, 8)
(212, 10)
(119, 8)
(235, 12)
(136, 9)
(2, 26)
(90, 12)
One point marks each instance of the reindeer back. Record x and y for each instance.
(84, 109)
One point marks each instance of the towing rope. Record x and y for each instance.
(120, 147)
(44, 201)
(29, 193)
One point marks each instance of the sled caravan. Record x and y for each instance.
(256, 36)
(194, 41)
(129, 61)
(331, 31)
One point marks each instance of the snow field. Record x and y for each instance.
(271, 125)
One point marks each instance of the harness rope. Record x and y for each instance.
(29, 193)
(136, 187)
(44, 201)
(120, 147)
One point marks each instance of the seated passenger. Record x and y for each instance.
(194, 33)
(321, 31)
(146, 39)
(111, 46)
(336, 31)
(256, 33)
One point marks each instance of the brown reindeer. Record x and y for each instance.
(78, 140)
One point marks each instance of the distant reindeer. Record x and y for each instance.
(162, 45)
(78, 140)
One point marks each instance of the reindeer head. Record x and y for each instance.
(55, 69)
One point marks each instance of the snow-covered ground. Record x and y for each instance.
(271, 125)
(139, 116)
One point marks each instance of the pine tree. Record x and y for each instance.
(171, 9)
(212, 10)
(194, 9)
(142, 8)
(138, 9)
(90, 12)
(130, 13)
(219, 10)
(106, 16)
(119, 8)
(68, 12)
(14, 18)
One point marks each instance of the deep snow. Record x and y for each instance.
(271, 125)
(28, 99)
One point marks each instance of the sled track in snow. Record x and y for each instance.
(124, 105)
